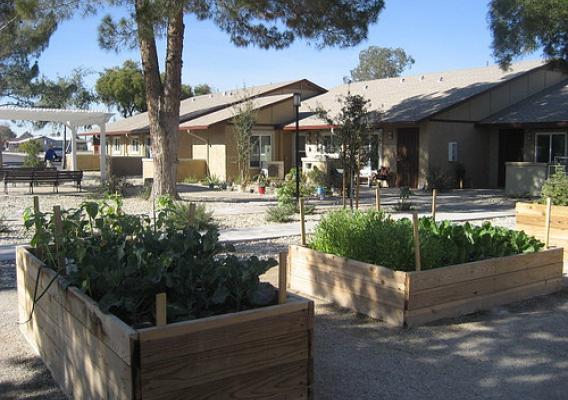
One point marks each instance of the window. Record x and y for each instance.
(327, 145)
(260, 150)
(116, 145)
(453, 151)
(302, 146)
(148, 147)
(550, 145)
(135, 146)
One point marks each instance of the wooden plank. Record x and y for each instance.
(343, 298)
(416, 236)
(278, 383)
(112, 331)
(467, 306)
(538, 221)
(382, 274)
(356, 285)
(302, 223)
(345, 273)
(180, 328)
(191, 342)
(480, 269)
(176, 374)
(480, 287)
(540, 208)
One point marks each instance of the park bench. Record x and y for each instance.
(35, 177)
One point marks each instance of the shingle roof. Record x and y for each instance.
(195, 107)
(227, 113)
(549, 106)
(413, 98)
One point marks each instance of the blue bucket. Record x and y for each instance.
(320, 191)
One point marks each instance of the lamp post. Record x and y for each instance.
(297, 103)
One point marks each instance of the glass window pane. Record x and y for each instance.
(254, 151)
(558, 146)
(543, 148)
(265, 149)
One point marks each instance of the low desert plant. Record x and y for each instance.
(404, 203)
(191, 179)
(114, 185)
(437, 179)
(4, 228)
(376, 238)
(556, 187)
(280, 213)
(179, 215)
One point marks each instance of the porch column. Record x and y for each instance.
(103, 152)
(73, 148)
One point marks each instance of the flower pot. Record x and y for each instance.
(261, 190)
(320, 191)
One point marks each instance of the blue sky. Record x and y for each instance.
(439, 34)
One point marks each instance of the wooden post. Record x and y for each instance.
(191, 214)
(36, 204)
(161, 313)
(282, 277)
(59, 233)
(302, 222)
(378, 199)
(547, 222)
(416, 241)
(434, 194)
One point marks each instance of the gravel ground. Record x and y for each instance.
(514, 352)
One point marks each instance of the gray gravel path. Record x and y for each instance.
(514, 352)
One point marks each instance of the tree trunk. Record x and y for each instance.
(163, 99)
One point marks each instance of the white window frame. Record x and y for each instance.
(116, 145)
(453, 152)
(135, 146)
(259, 134)
(550, 133)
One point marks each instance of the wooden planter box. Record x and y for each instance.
(408, 299)
(264, 353)
(531, 218)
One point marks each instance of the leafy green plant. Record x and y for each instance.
(212, 181)
(191, 179)
(280, 213)
(375, 238)
(181, 215)
(122, 261)
(556, 187)
(32, 148)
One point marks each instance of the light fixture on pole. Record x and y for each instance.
(297, 103)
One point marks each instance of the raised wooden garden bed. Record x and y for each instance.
(264, 353)
(413, 298)
(531, 218)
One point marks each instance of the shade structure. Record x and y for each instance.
(73, 119)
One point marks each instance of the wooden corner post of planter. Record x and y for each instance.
(547, 222)
(302, 222)
(282, 277)
(416, 241)
(161, 309)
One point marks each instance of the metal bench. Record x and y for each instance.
(35, 177)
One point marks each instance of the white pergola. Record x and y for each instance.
(73, 119)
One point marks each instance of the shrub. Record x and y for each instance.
(122, 261)
(556, 187)
(32, 148)
(437, 179)
(404, 203)
(280, 213)
(114, 185)
(191, 179)
(375, 238)
(178, 214)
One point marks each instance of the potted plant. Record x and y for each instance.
(262, 184)
(318, 179)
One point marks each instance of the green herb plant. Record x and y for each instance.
(556, 187)
(122, 261)
(376, 238)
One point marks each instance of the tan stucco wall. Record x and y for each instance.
(505, 95)
(525, 178)
(473, 149)
(185, 144)
(216, 159)
(85, 162)
(185, 169)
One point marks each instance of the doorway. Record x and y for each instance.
(511, 145)
(407, 154)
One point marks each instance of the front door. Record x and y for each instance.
(407, 157)
(511, 143)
